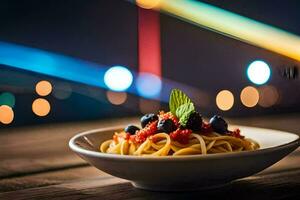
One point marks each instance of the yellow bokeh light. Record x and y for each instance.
(6, 114)
(116, 98)
(41, 107)
(268, 96)
(43, 88)
(148, 4)
(249, 96)
(225, 100)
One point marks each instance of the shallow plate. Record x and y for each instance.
(192, 172)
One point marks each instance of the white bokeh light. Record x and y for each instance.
(118, 78)
(258, 72)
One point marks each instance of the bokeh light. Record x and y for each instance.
(225, 100)
(149, 106)
(116, 98)
(268, 96)
(118, 78)
(41, 107)
(148, 85)
(249, 96)
(259, 72)
(148, 4)
(43, 88)
(6, 114)
(62, 90)
(7, 98)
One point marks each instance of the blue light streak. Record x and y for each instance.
(52, 64)
(80, 71)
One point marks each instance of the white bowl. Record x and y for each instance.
(191, 172)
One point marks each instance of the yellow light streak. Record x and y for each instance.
(233, 25)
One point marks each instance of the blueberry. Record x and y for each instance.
(218, 124)
(194, 122)
(146, 119)
(131, 129)
(166, 125)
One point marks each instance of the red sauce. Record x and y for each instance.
(206, 128)
(127, 136)
(181, 136)
(144, 133)
(236, 133)
(169, 115)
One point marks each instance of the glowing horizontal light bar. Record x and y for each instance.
(234, 25)
(51, 64)
(80, 71)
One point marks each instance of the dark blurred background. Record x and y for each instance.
(105, 32)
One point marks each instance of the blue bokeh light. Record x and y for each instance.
(148, 85)
(118, 78)
(258, 72)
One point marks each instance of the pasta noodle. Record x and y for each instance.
(165, 146)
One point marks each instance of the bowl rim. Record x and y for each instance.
(77, 149)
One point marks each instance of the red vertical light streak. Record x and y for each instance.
(149, 52)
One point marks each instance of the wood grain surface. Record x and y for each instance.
(40, 148)
(36, 163)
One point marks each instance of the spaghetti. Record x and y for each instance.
(177, 133)
(161, 144)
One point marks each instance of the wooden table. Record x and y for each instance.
(36, 163)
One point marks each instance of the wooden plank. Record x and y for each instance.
(45, 147)
(22, 166)
(272, 186)
(49, 178)
(289, 163)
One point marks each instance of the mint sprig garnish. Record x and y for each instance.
(183, 113)
(181, 106)
(177, 98)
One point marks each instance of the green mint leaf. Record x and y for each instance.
(177, 98)
(184, 111)
(184, 108)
